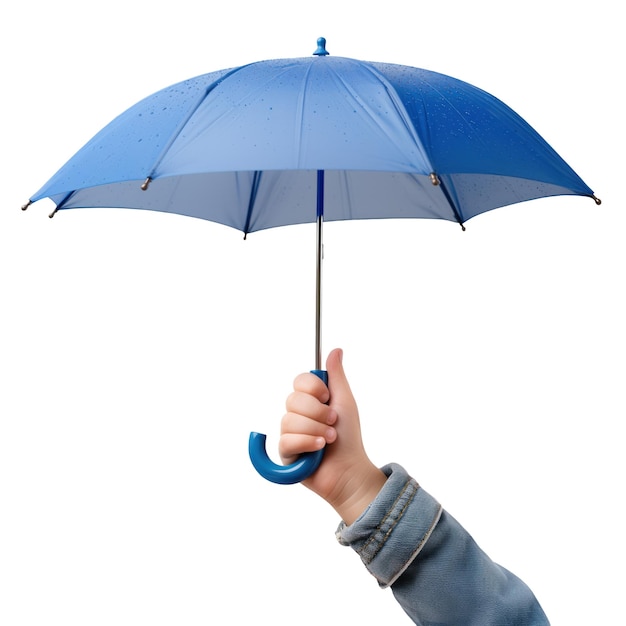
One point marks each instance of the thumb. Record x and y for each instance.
(340, 392)
(349, 444)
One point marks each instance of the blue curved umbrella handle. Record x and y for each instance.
(296, 472)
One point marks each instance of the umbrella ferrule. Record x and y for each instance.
(321, 48)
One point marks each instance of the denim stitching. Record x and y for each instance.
(374, 544)
(418, 548)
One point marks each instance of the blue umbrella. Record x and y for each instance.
(314, 139)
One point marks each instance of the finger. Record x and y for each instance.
(294, 423)
(291, 445)
(306, 404)
(313, 385)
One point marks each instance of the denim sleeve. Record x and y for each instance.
(435, 569)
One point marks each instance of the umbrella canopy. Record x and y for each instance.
(242, 147)
(291, 141)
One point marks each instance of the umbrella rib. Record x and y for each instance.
(402, 113)
(436, 180)
(183, 123)
(256, 181)
(62, 202)
(300, 115)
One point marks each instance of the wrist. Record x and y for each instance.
(357, 494)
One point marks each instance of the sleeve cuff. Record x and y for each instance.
(392, 531)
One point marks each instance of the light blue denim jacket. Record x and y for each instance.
(435, 569)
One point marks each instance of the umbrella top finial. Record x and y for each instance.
(321, 47)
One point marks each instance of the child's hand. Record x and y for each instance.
(346, 478)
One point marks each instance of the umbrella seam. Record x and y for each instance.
(300, 114)
(402, 112)
(192, 111)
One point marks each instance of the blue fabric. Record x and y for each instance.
(242, 147)
(436, 571)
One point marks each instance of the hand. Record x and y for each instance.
(317, 416)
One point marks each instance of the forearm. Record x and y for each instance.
(436, 571)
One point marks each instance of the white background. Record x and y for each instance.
(138, 350)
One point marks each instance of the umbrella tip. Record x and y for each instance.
(321, 47)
